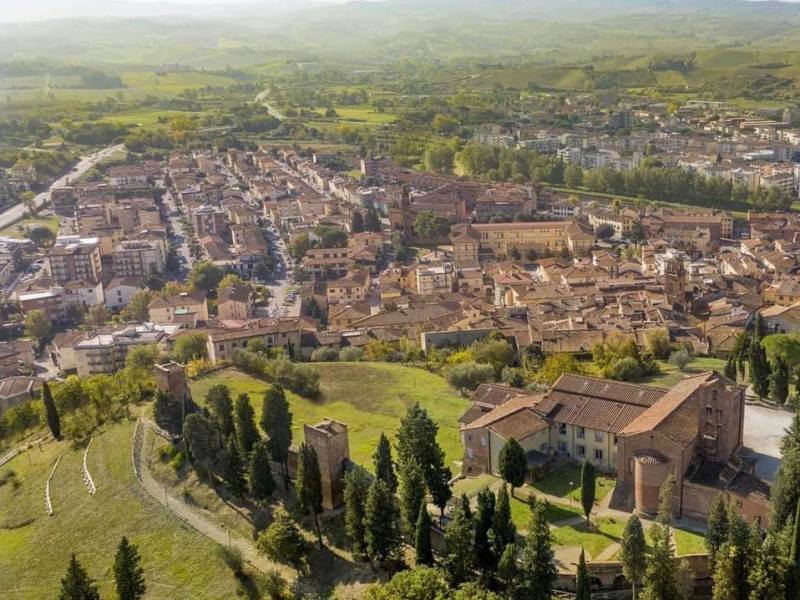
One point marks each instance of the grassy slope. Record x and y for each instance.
(14, 231)
(369, 397)
(179, 563)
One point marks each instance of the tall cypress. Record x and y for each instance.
(718, 526)
(128, 572)
(218, 399)
(234, 469)
(76, 584)
(309, 485)
(537, 569)
(503, 530)
(246, 430)
(633, 552)
(276, 421)
(588, 477)
(380, 521)
(356, 487)
(759, 368)
(793, 571)
(583, 585)
(412, 495)
(422, 541)
(51, 413)
(262, 483)
(484, 517)
(384, 465)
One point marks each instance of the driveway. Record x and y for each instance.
(764, 428)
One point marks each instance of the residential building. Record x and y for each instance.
(138, 258)
(74, 258)
(189, 308)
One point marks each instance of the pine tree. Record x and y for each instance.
(262, 484)
(412, 495)
(218, 399)
(234, 469)
(422, 541)
(246, 430)
(633, 552)
(128, 572)
(588, 477)
(660, 577)
(356, 488)
(384, 465)
(484, 517)
(459, 559)
(51, 413)
(718, 529)
(513, 464)
(380, 521)
(309, 485)
(537, 571)
(507, 570)
(276, 421)
(583, 585)
(779, 381)
(76, 584)
(503, 530)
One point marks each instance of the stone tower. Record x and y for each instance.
(171, 378)
(329, 440)
(675, 283)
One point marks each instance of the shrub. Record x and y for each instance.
(325, 355)
(469, 375)
(680, 358)
(625, 369)
(351, 354)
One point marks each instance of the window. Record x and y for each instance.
(483, 440)
(562, 429)
(599, 436)
(562, 447)
(615, 440)
(470, 453)
(581, 432)
(719, 417)
(598, 454)
(709, 412)
(580, 451)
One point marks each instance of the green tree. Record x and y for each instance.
(246, 431)
(633, 552)
(583, 585)
(469, 375)
(51, 413)
(503, 530)
(384, 465)
(573, 176)
(779, 381)
(793, 567)
(661, 575)
(309, 485)
(666, 500)
(190, 347)
(38, 326)
(357, 222)
(138, 308)
(768, 577)
(785, 491)
(202, 441)
(128, 572)
(658, 343)
(380, 521)
(356, 488)
(372, 221)
(759, 368)
(718, 527)
(422, 540)
(439, 158)
(734, 560)
(142, 357)
(76, 584)
(168, 412)
(422, 583)
(537, 571)
(588, 483)
(262, 484)
(276, 421)
(429, 225)
(283, 542)
(556, 365)
(218, 399)
(412, 494)
(459, 558)
(508, 571)
(513, 464)
(205, 276)
(233, 473)
(484, 519)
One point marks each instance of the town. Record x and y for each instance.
(364, 342)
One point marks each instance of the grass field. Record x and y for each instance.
(689, 542)
(16, 230)
(369, 397)
(565, 482)
(35, 548)
(671, 375)
(595, 538)
(146, 117)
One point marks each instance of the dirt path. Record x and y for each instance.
(196, 519)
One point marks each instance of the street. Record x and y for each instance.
(764, 430)
(179, 236)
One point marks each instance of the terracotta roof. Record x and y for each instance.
(509, 409)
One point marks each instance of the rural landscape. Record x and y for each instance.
(400, 300)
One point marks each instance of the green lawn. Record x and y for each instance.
(369, 397)
(35, 548)
(671, 375)
(594, 539)
(565, 482)
(689, 542)
(17, 230)
(553, 513)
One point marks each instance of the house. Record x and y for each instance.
(641, 433)
(120, 290)
(283, 333)
(350, 289)
(138, 258)
(782, 319)
(74, 258)
(235, 302)
(16, 390)
(106, 352)
(186, 307)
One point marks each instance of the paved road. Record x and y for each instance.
(179, 236)
(765, 427)
(281, 284)
(262, 99)
(15, 213)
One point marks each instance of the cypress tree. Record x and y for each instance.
(465, 506)
(168, 413)
(633, 552)
(459, 559)
(730, 367)
(422, 541)
(51, 413)
(356, 487)
(412, 495)
(416, 441)
(218, 399)
(583, 585)
(484, 517)
(759, 368)
(262, 484)
(779, 381)
(717, 532)
(128, 572)
(276, 421)
(309, 485)
(76, 584)
(793, 570)
(234, 469)
(588, 477)
(537, 571)
(384, 465)
(507, 570)
(660, 578)
(357, 224)
(246, 430)
(513, 464)
(380, 521)
(503, 530)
